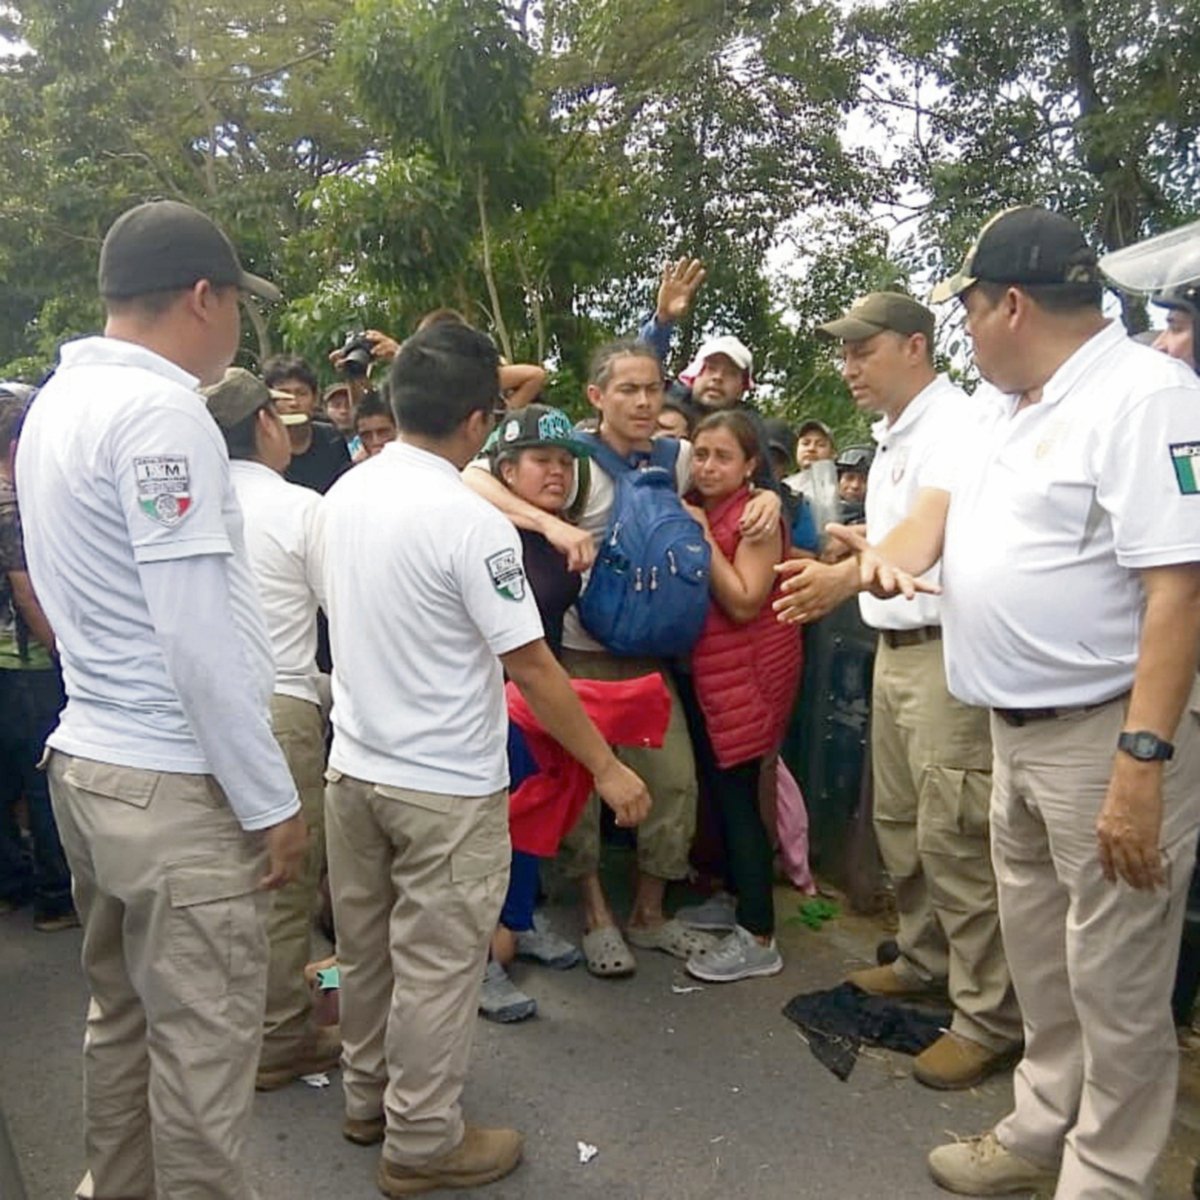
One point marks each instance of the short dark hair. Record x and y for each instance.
(281, 367)
(1051, 297)
(601, 364)
(442, 316)
(372, 405)
(440, 376)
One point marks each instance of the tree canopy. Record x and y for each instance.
(533, 163)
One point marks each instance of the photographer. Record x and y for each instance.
(319, 454)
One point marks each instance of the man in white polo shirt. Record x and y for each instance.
(280, 530)
(1068, 527)
(931, 754)
(427, 601)
(170, 792)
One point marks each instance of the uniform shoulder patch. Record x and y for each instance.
(1185, 457)
(508, 576)
(163, 487)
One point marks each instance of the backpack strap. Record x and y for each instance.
(664, 452)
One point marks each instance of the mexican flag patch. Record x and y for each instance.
(163, 487)
(1184, 456)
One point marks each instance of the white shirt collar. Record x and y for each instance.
(421, 458)
(912, 410)
(249, 466)
(110, 351)
(1073, 368)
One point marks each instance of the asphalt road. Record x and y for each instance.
(688, 1094)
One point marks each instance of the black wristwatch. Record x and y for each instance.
(1145, 746)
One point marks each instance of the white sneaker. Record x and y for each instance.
(740, 955)
(501, 1000)
(717, 914)
(542, 945)
(981, 1166)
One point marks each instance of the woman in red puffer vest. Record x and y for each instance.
(746, 667)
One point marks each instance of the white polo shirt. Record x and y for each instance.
(425, 587)
(280, 530)
(934, 416)
(1053, 510)
(121, 466)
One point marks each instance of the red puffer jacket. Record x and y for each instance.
(746, 675)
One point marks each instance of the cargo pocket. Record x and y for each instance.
(216, 938)
(127, 784)
(954, 807)
(486, 849)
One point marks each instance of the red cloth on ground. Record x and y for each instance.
(628, 712)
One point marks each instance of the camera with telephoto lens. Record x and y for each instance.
(356, 354)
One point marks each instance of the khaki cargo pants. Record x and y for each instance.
(1093, 961)
(664, 838)
(175, 953)
(932, 762)
(417, 880)
(300, 733)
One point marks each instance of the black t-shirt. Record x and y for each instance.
(554, 587)
(320, 465)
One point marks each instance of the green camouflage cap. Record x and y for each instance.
(879, 312)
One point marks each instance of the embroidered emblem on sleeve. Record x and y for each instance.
(508, 576)
(1184, 457)
(163, 487)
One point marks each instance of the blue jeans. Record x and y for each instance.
(30, 702)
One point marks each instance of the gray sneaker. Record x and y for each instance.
(740, 955)
(542, 945)
(717, 914)
(501, 1000)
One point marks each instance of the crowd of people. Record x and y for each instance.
(404, 639)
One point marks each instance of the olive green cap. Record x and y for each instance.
(879, 312)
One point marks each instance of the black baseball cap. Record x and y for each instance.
(1028, 245)
(779, 436)
(163, 246)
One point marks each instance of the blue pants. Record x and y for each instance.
(30, 702)
(517, 913)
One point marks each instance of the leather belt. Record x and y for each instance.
(1018, 717)
(911, 637)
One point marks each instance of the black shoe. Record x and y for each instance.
(887, 952)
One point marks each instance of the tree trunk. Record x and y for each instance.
(488, 276)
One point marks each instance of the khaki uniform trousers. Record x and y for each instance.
(1093, 962)
(175, 954)
(300, 733)
(932, 762)
(417, 881)
(664, 838)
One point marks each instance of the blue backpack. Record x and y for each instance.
(648, 591)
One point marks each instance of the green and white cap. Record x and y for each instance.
(536, 425)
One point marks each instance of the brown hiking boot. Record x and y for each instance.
(954, 1062)
(364, 1132)
(321, 1052)
(481, 1157)
(887, 981)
